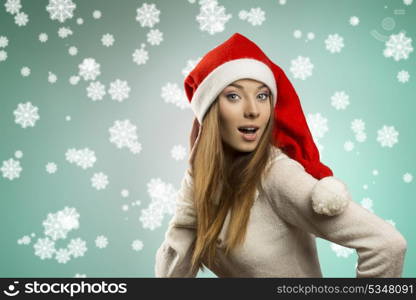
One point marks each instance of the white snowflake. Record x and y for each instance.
(190, 65)
(334, 43)
(297, 34)
(183, 102)
(163, 197)
(151, 218)
(212, 18)
(80, 21)
(62, 256)
(21, 19)
(99, 181)
(137, 245)
(357, 125)
(64, 32)
(89, 69)
(25, 240)
(399, 46)
(317, 125)
(96, 91)
(167, 203)
(148, 15)
(107, 40)
(124, 193)
(119, 90)
(367, 203)
(54, 227)
(4, 41)
(26, 114)
(171, 93)
(375, 172)
(360, 136)
(354, 21)
(340, 100)
(11, 169)
(311, 35)
(3, 55)
(73, 50)
(18, 154)
(52, 78)
(135, 147)
(86, 158)
(68, 217)
(43, 37)
(51, 167)
(12, 6)
(407, 2)
(77, 275)
(301, 67)
(154, 37)
(256, 16)
(282, 2)
(44, 248)
(101, 242)
(77, 247)
(25, 71)
(407, 177)
(403, 76)
(156, 188)
(208, 2)
(341, 251)
(178, 152)
(125, 207)
(123, 133)
(60, 10)
(74, 80)
(348, 146)
(243, 14)
(387, 136)
(72, 155)
(140, 56)
(96, 14)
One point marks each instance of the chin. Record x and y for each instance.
(246, 148)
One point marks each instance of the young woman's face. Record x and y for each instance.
(244, 103)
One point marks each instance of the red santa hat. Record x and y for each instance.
(239, 58)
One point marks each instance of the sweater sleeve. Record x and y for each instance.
(173, 258)
(380, 247)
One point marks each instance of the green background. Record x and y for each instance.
(360, 69)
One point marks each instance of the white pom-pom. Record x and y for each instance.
(330, 196)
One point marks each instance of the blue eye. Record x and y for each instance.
(229, 96)
(265, 96)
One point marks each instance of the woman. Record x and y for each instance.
(256, 194)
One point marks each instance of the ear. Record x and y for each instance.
(330, 196)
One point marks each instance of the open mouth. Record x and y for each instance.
(247, 130)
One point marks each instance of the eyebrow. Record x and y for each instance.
(241, 87)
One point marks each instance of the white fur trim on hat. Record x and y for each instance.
(330, 196)
(225, 74)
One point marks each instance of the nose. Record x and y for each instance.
(251, 108)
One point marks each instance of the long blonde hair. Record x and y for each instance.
(237, 180)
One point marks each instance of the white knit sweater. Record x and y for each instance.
(281, 232)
